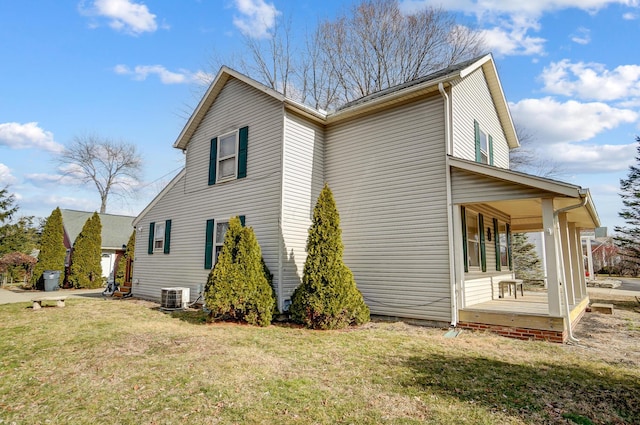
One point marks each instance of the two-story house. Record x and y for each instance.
(420, 174)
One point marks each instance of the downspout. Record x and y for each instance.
(450, 206)
(567, 312)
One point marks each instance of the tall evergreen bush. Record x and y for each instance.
(328, 297)
(85, 270)
(128, 254)
(237, 287)
(52, 250)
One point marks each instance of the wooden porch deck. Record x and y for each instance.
(526, 317)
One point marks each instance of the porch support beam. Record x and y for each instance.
(576, 261)
(589, 258)
(551, 251)
(566, 257)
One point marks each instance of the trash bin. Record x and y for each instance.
(51, 278)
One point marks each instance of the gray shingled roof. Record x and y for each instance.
(433, 76)
(116, 229)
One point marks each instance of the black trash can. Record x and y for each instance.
(51, 279)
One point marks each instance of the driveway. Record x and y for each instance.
(19, 296)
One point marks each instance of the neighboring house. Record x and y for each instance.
(420, 174)
(116, 230)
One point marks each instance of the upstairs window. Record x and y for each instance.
(159, 237)
(483, 144)
(228, 156)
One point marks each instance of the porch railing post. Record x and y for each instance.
(552, 258)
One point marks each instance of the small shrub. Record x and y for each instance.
(328, 297)
(237, 287)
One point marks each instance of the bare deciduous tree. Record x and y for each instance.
(526, 159)
(114, 167)
(370, 47)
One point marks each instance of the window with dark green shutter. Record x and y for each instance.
(490, 150)
(496, 239)
(465, 250)
(473, 231)
(167, 236)
(208, 245)
(476, 128)
(213, 155)
(509, 248)
(483, 145)
(152, 228)
(483, 248)
(228, 156)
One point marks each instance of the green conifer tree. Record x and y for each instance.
(526, 263)
(85, 270)
(328, 297)
(627, 237)
(128, 254)
(52, 250)
(237, 287)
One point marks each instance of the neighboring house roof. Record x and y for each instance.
(367, 104)
(116, 229)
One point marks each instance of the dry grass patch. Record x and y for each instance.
(125, 362)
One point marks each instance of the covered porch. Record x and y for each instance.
(526, 204)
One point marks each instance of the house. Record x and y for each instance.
(420, 174)
(116, 230)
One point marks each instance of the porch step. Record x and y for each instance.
(124, 289)
(602, 308)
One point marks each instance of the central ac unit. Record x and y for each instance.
(174, 298)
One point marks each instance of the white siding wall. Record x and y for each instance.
(387, 173)
(303, 179)
(471, 101)
(191, 201)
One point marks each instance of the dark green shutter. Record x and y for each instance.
(167, 236)
(152, 228)
(242, 152)
(490, 150)
(465, 253)
(213, 158)
(208, 245)
(509, 251)
(241, 220)
(476, 128)
(496, 237)
(483, 248)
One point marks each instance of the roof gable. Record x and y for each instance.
(116, 229)
(364, 105)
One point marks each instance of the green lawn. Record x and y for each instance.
(107, 362)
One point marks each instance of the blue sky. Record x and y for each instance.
(133, 70)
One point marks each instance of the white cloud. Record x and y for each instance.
(511, 38)
(26, 136)
(257, 17)
(515, 19)
(581, 36)
(592, 80)
(124, 15)
(630, 16)
(6, 178)
(594, 158)
(554, 122)
(141, 72)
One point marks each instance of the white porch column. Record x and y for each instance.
(576, 261)
(583, 279)
(553, 288)
(590, 259)
(566, 257)
(458, 257)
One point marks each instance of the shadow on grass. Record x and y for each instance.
(194, 317)
(543, 393)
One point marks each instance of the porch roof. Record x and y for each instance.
(519, 195)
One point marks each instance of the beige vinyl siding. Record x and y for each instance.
(468, 187)
(471, 101)
(191, 201)
(387, 173)
(480, 288)
(303, 177)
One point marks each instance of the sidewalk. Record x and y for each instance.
(612, 291)
(19, 296)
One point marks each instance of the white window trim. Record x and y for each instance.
(484, 153)
(502, 229)
(217, 244)
(158, 235)
(469, 241)
(220, 158)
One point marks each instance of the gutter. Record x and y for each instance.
(584, 195)
(450, 206)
